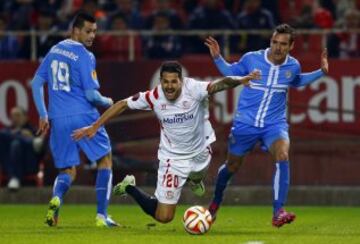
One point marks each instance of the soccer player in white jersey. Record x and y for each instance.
(181, 106)
(261, 113)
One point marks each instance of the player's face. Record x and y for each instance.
(171, 85)
(280, 47)
(86, 34)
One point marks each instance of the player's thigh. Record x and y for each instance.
(240, 144)
(200, 164)
(64, 150)
(172, 176)
(276, 139)
(96, 147)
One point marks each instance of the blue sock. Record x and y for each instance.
(222, 181)
(281, 181)
(103, 190)
(61, 185)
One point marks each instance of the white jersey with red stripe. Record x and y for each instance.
(185, 127)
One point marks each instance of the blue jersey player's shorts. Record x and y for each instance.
(65, 150)
(243, 137)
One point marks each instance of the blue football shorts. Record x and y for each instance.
(243, 137)
(65, 150)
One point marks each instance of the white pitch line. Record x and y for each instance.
(254, 242)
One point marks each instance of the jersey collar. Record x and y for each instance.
(271, 63)
(71, 41)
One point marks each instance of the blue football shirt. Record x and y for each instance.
(264, 101)
(69, 69)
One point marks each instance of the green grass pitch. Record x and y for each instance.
(250, 225)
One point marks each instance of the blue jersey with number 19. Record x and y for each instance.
(69, 69)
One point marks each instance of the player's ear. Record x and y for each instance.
(292, 44)
(76, 30)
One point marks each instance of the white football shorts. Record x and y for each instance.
(173, 174)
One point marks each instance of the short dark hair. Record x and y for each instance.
(286, 29)
(171, 67)
(80, 18)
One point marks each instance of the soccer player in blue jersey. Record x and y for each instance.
(261, 113)
(69, 71)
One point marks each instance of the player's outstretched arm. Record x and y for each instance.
(95, 98)
(37, 88)
(306, 78)
(224, 67)
(232, 81)
(90, 131)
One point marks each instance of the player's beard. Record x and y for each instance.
(172, 94)
(279, 56)
(89, 43)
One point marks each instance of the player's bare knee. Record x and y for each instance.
(233, 165)
(71, 171)
(105, 162)
(282, 156)
(165, 218)
(165, 213)
(232, 168)
(233, 162)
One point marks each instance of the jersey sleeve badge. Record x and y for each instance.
(288, 74)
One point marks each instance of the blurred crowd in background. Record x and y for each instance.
(144, 21)
(20, 150)
(54, 16)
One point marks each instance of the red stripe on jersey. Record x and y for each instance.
(155, 93)
(166, 172)
(167, 138)
(147, 97)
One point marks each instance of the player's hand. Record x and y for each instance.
(213, 46)
(43, 127)
(254, 75)
(324, 61)
(88, 131)
(111, 102)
